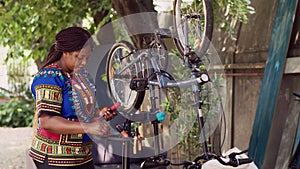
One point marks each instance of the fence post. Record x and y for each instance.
(272, 79)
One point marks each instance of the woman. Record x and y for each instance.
(65, 105)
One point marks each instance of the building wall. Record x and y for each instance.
(3, 70)
(244, 82)
(247, 56)
(24, 69)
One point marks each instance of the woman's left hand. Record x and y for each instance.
(106, 113)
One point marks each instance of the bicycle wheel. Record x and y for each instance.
(120, 71)
(193, 22)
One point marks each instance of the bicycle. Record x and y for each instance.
(132, 72)
(193, 29)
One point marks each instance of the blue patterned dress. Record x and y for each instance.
(58, 94)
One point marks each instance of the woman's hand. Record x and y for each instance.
(106, 113)
(60, 125)
(97, 127)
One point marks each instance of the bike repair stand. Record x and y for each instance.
(196, 73)
(153, 109)
(126, 147)
(126, 132)
(128, 136)
(156, 116)
(160, 116)
(157, 160)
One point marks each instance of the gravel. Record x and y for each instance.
(14, 143)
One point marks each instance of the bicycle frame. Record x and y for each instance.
(146, 58)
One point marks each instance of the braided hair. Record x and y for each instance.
(68, 40)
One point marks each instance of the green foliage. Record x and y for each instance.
(17, 112)
(179, 105)
(228, 13)
(4, 93)
(29, 27)
(17, 108)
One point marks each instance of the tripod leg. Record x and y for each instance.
(125, 156)
(200, 120)
(126, 147)
(201, 130)
(156, 138)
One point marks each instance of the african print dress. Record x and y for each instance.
(58, 94)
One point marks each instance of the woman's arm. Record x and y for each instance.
(58, 124)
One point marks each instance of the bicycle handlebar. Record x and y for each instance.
(182, 83)
(244, 161)
(296, 94)
(234, 162)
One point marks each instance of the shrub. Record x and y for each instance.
(17, 112)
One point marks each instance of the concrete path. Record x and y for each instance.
(14, 143)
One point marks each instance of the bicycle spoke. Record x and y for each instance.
(193, 24)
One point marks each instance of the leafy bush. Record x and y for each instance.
(17, 112)
(16, 108)
(178, 106)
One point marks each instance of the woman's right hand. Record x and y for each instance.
(106, 113)
(97, 127)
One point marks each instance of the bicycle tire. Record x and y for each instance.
(195, 33)
(119, 89)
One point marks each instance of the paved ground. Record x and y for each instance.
(14, 143)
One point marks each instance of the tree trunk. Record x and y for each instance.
(128, 7)
(106, 36)
(39, 63)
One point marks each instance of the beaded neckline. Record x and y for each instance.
(54, 65)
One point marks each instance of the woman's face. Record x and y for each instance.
(75, 61)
